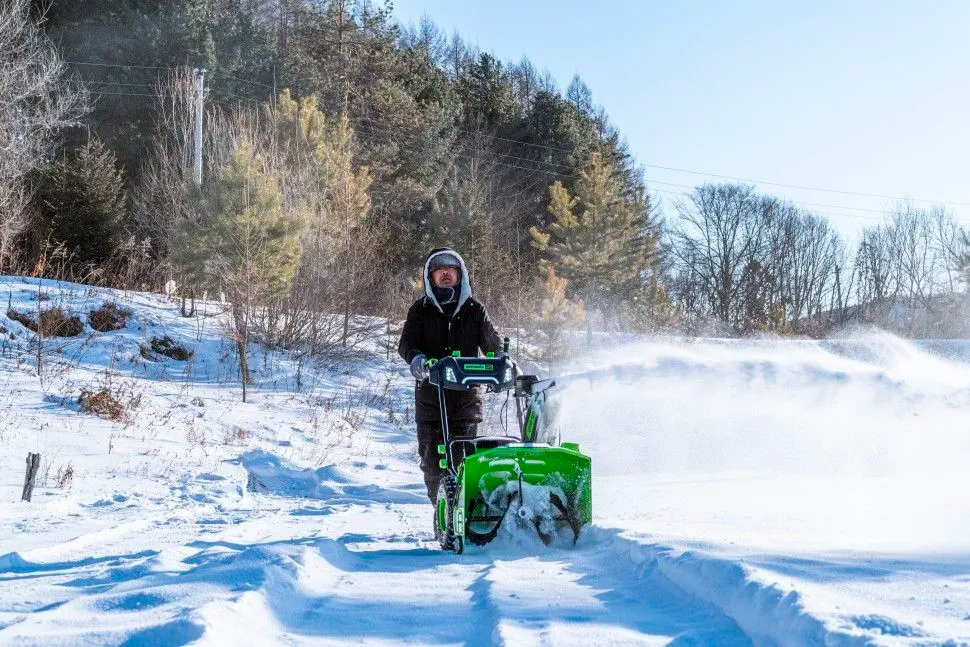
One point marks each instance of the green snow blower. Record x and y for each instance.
(530, 479)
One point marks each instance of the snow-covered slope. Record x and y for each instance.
(768, 493)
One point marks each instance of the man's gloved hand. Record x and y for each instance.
(417, 367)
(420, 365)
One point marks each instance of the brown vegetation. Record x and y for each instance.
(65, 476)
(109, 317)
(102, 403)
(55, 322)
(169, 348)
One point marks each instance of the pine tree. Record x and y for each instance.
(651, 309)
(556, 313)
(349, 205)
(245, 243)
(340, 241)
(600, 241)
(83, 200)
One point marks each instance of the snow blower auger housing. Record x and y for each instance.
(523, 479)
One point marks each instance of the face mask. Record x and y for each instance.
(445, 295)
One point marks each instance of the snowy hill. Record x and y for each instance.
(767, 493)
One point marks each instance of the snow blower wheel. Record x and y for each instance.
(444, 516)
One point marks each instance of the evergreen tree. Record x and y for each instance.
(600, 241)
(487, 94)
(245, 243)
(556, 314)
(349, 205)
(650, 309)
(340, 242)
(82, 197)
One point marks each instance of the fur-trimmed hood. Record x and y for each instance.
(465, 287)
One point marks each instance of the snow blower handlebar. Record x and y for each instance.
(458, 373)
(461, 373)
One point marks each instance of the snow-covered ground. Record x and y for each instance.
(767, 493)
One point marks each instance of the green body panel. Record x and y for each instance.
(442, 516)
(530, 426)
(538, 464)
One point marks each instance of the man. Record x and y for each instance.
(445, 319)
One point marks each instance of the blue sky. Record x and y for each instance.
(860, 96)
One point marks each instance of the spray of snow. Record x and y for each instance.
(877, 406)
(852, 445)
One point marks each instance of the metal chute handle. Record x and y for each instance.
(528, 385)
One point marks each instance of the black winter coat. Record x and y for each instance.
(430, 332)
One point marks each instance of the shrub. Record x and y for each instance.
(22, 319)
(169, 348)
(109, 317)
(102, 403)
(56, 322)
(65, 475)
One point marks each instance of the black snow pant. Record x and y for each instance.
(429, 437)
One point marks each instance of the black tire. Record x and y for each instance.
(446, 491)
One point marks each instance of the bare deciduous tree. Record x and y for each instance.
(753, 262)
(721, 228)
(36, 102)
(161, 200)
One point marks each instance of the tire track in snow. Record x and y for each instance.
(502, 594)
(387, 586)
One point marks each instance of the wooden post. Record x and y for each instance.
(33, 464)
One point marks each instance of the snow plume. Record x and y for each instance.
(873, 406)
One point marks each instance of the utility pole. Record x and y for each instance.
(199, 90)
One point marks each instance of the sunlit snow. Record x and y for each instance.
(745, 492)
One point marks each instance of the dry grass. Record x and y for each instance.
(65, 476)
(168, 347)
(22, 319)
(110, 316)
(55, 322)
(235, 436)
(103, 403)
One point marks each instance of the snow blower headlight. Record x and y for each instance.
(450, 375)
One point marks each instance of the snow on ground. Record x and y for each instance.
(759, 492)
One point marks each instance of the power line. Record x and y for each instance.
(563, 150)
(235, 78)
(140, 85)
(234, 96)
(809, 204)
(142, 67)
(163, 67)
(728, 177)
(125, 94)
(470, 155)
(805, 188)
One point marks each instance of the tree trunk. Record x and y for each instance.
(188, 304)
(346, 320)
(243, 363)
